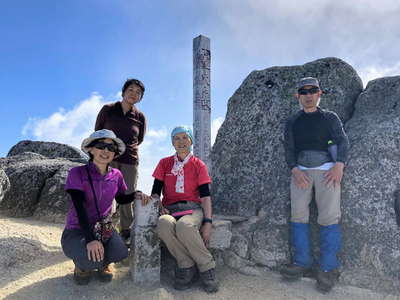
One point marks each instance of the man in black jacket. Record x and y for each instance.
(316, 149)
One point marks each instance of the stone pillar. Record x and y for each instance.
(201, 98)
(145, 248)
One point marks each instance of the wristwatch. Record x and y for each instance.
(207, 220)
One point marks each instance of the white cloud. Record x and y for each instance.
(162, 133)
(215, 125)
(155, 146)
(284, 33)
(72, 126)
(66, 126)
(373, 72)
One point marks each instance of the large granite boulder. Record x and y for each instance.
(248, 168)
(250, 176)
(4, 184)
(48, 149)
(54, 202)
(371, 249)
(36, 186)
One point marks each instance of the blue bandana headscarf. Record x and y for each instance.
(184, 129)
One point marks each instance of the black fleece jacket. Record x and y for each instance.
(312, 131)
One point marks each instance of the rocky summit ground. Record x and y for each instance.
(34, 267)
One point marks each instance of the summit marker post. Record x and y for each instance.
(202, 98)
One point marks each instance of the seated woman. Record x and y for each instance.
(186, 212)
(88, 238)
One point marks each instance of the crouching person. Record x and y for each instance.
(186, 212)
(89, 238)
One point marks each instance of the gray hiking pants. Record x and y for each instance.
(326, 197)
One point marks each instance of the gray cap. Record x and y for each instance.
(103, 134)
(307, 81)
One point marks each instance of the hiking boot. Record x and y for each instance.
(184, 277)
(82, 277)
(326, 280)
(210, 283)
(105, 274)
(294, 272)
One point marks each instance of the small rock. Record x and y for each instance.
(221, 234)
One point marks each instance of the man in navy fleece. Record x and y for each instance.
(309, 136)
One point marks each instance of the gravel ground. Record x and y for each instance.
(34, 267)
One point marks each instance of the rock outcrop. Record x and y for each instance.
(48, 149)
(15, 251)
(372, 177)
(36, 186)
(251, 178)
(53, 201)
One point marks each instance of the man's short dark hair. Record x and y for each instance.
(130, 81)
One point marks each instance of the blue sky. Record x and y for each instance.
(60, 61)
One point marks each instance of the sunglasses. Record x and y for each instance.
(110, 147)
(311, 91)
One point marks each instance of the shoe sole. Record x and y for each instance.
(296, 277)
(293, 277)
(182, 287)
(211, 290)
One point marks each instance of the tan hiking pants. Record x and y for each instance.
(184, 241)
